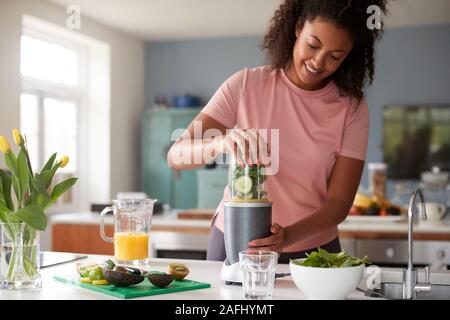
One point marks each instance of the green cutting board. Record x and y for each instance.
(145, 288)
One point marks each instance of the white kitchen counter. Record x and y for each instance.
(169, 219)
(385, 241)
(204, 271)
(397, 226)
(171, 233)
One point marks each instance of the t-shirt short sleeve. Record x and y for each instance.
(223, 106)
(356, 133)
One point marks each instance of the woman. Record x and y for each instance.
(321, 55)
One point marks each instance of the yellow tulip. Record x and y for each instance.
(17, 137)
(63, 162)
(4, 145)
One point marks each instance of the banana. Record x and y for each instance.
(383, 202)
(362, 201)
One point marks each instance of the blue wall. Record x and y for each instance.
(412, 66)
(197, 66)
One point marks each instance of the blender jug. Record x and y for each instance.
(247, 215)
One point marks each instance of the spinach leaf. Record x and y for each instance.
(324, 259)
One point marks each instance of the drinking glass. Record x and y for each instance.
(258, 273)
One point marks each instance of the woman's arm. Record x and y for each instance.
(206, 138)
(343, 185)
(190, 146)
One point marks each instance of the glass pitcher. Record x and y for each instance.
(132, 222)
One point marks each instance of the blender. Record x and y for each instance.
(247, 215)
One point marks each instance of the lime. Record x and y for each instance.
(84, 272)
(243, 184)
(96, 274)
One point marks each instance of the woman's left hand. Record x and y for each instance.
(274, 242)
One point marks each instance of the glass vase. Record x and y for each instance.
(19, 257)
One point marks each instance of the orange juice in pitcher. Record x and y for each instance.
(132, 222)
(130, 246)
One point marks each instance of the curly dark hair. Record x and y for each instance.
(357, 70)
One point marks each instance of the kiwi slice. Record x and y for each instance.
(178, 270)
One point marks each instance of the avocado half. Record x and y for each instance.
(122, 279)
(160, 280)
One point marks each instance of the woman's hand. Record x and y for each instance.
(246, 146)
(274, 242)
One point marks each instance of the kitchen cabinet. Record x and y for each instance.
(211, 184)
(395, 252)
(348, 245)
(182, 242)
(391, 248)
(169, 235)
(84, 238)
(159, 130)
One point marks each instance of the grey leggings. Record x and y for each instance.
(216, 248)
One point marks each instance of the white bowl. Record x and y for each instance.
(326, 283)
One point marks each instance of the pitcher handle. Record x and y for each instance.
(102, 224)
(442, 210)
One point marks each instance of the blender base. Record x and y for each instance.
(231, 273)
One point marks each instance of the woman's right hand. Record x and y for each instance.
(246, 146)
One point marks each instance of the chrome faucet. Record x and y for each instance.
(410, 275)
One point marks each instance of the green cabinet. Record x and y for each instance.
(158, 180)
(210, 187)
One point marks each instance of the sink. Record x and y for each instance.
(394, 291)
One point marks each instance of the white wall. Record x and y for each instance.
(127, 82)
(127, 87)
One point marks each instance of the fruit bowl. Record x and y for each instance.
(326, 283)
(364, 205)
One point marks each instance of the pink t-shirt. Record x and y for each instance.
(314, 128)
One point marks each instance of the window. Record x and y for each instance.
(65, 108)
(48, 61)
(50, 104)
